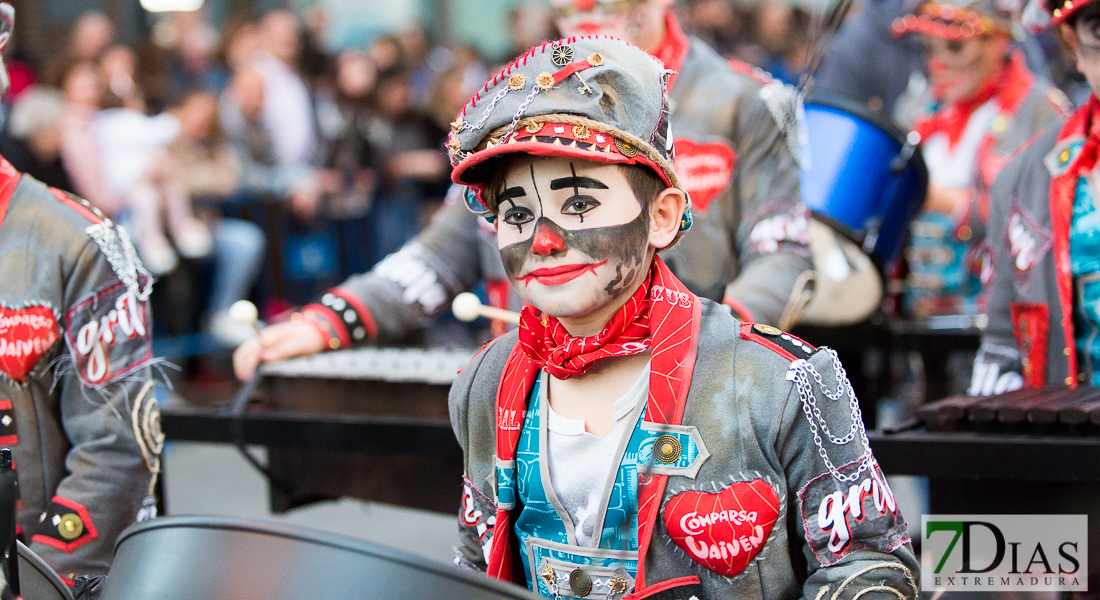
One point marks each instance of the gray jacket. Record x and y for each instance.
(1029, 338)
(748, 414)
(75, 355)
(747, 242)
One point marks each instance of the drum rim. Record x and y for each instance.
(43, 568)
(859, 110)
(325, 538)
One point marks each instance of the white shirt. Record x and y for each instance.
(583, 465)
(129, 142)
(287, 111)
(955, 167)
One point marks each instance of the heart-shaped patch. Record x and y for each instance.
(26, 335)
(723, 531)
(705, 170)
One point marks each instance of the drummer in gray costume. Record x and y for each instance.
(736, 145)
(77, 406)
(632, 440)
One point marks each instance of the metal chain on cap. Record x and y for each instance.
(801, 371)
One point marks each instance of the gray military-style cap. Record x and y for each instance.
(594, 98)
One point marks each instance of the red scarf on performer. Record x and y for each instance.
(551, 348)
(662, 311)
(1010, 86)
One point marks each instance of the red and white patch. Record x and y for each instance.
(723, 531)
(109, 334)
(1027, 243)
(26, 335)
(705, 170)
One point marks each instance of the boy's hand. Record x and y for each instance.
(277, 342)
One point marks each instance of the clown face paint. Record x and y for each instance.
(958, 69)
(624, 19)
(573, 238)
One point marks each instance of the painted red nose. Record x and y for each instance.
(584, 5)
(547, 241)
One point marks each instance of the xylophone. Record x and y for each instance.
(391, 387)
(1049, 434)
(1054, 410)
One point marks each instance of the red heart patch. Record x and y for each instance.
(705, 170)
(723, 531)
(26, 335)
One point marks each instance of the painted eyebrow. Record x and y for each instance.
(577, 182)
(512, 192)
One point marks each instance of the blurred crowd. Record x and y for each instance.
(281, 167)
(182, 136)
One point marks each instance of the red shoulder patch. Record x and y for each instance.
(778, 341)
(80, 205)
(755, 73)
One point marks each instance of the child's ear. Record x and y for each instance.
(666, 212)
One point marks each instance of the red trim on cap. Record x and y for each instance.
(528, 143)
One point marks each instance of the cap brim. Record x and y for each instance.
(478, 168)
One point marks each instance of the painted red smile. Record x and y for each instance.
(560, 274)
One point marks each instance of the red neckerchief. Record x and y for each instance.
(674, 318)
(674, 49)
(550, 346)
(1083, 123)
(1010, 86)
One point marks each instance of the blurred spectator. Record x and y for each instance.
(119, 65)
(288, 108)
(196, 66)
(867, 63)
(208, 168)
(349, 176)
(720, 24)
(92, 34)
(242, 120)
(530, 24)
(117, 160)
(385, 52)
(411, 164)
(240, 43)
(33, 140)
(784, 35)
(82, 83)
(209, 171)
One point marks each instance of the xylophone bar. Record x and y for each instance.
(1036, 406)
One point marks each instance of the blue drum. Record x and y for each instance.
(865, 178)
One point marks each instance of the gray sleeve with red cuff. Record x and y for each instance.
(414, 284)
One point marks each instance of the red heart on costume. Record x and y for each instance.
(705, 170)
(723, 531)
(26, 335)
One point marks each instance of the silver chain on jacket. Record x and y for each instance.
(802, 371)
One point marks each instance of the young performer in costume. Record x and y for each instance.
(1044, 305)
(735, 151)
(77, 405)
(631, 439)
(981, 104)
